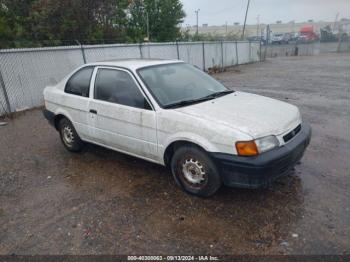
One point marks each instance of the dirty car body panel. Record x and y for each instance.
(146, 128)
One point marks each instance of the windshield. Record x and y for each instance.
(171, 84)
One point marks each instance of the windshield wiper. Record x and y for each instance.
(187, 102)
(199, 100)
(219, 94)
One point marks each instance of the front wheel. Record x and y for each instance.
(195, 172)
(69, 136)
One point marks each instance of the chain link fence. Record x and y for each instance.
(24, 73)
(344, 43)
(303, 49)
(4, 102)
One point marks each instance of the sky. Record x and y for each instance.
(218, 12)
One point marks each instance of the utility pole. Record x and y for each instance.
(245, 19)
(335, 22)
(293, 27)
(268, 34)
(147, 18)
(197, 14)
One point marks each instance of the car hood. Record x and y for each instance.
(255, 115)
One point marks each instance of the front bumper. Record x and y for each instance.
(262, 170)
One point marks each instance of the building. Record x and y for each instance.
(254, 30)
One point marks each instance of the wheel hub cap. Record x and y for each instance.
(193, 171)
(68, 135)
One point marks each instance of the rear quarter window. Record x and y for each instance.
(79, 83)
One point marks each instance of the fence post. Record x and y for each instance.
(237, 53)
(3, 87)
(222, 55)
(340, 40)
(250, 52)
(259, 50)
(296, 50)
(140, 48)
(203, 56)
(177, 50)
(82, 50)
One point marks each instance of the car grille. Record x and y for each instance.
(292, 134)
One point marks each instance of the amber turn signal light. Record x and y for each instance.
(247, 148)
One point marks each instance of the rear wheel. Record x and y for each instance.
(69, 136)
(195, 172)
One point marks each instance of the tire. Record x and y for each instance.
(195, 172)
(69, 136)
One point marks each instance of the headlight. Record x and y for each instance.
(256, 147)
(266, 143)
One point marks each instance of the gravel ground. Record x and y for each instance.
(103, 202)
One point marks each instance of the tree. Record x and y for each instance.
(5, 30)
(52, 22)
(164, 17)
(13, 18)
(84, 20)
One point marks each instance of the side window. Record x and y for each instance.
(79, 83)
(118, 87)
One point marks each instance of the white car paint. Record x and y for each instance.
(214, 125)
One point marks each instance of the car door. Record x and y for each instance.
(75, 102)
(121, 117)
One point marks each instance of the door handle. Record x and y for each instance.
(92, 111)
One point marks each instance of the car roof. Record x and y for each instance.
(134, 64)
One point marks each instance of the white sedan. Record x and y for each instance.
(173, 114)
